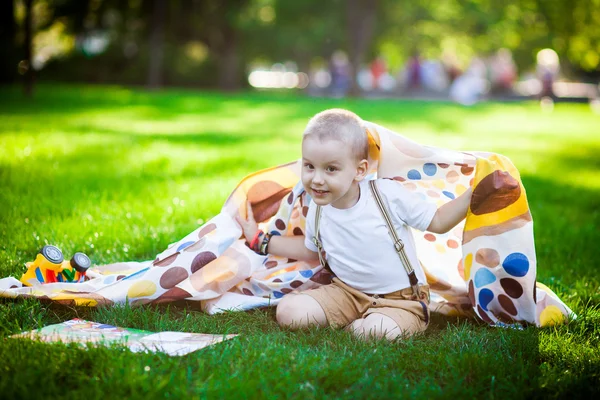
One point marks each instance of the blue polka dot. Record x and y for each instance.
(516, 264)
(277, 294)
(184, 245)
(483, 277)
(275, 233)
(429, 169)
(414, 174)
(448, 194)
(225, 245)
(307, 273)
(485, 296)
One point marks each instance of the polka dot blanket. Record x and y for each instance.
(484, 267)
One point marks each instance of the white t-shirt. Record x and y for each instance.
(360, 250)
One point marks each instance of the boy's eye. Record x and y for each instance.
(331, 169)
(307, 165)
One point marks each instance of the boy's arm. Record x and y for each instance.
(283, 246)
(450, 214)
(291, 247)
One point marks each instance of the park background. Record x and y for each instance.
(124, 125)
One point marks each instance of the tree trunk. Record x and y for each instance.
(361, 15)
(8, 32)
(228, 61)
(29, 73)
(157, 38)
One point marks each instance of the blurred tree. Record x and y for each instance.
(360, 29)
(156, 44)
(8, 50)
(28, 59)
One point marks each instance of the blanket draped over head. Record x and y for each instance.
(484, 266)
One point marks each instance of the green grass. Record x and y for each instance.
(120, 173)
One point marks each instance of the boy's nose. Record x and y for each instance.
(317, 178)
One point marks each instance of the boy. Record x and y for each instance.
(371, 295)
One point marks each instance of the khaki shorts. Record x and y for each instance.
(343, 305)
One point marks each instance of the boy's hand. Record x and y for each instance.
(249, 225)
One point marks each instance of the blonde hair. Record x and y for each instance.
(342, 125)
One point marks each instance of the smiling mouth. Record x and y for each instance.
(321, 192)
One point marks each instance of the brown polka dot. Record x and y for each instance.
(172, 294)
(323, 277)
(206, 230)
(271, 264)
(291, 260)
(277, 280)
(121, 277)
(201, 260)
(495, 192)
(279, 224)
(429, 237)
(265, 198)
(399, 178)
(172, 277)
(488, 257)
(471, 181)
(296, 284)
(13, 286)
(290, 198)
(461, 164)
(305, 211)
(167, 261)
(512, 287)
(432, 193)
(196, 246)
(472, 292)
(502, 316)
(484, 315)
(452, 176)
(286, 290)
(443, 165)
(453, 244)
(247, 292)
(466, 170)
(298, 231)
(507, 304)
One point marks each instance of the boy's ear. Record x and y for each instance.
(361, 170)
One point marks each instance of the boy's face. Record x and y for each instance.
(330, 172)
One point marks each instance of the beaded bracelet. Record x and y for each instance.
(254, 243)
(263, 250)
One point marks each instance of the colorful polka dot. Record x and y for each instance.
(414, 174)
(429, 237)
(440, 248)
(201, 260)
(550, 316)
(443, 165)
(448, 194)
(512, 287)
(399, 178)
(206, 230)
(433, 193)
(452, 176)
(468, 263)
(277, 294)
(307, 273)
(166, 261)
(410, 186)
(466, 170)
(483, 277)
(298, 232)
(142, 288)
(453, 244)
(429, 169)
(507, 304)
(290, 198)
(485, 297)
(279, 224)
(184, 245)
(271, 264)
(488, 257)
(172, 277)
(516, 264)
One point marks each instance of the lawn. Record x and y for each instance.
(120, 173)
